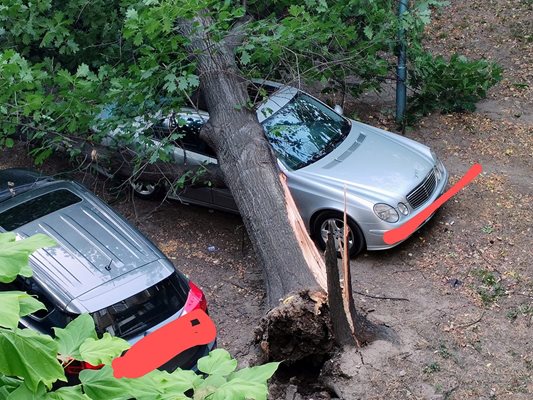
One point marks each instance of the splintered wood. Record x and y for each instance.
(310, 252)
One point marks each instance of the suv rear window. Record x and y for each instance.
(143, 310)
(36, 208)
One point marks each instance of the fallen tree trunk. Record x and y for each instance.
(289, 259)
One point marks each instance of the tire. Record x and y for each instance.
(320, 226)
(148, 190)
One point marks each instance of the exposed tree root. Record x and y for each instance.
(301, 327)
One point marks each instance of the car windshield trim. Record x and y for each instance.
(15, 191)
(304, 130)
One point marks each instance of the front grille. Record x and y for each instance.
(422, 192)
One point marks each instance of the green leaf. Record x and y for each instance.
(10, 310)
(368, 32)
(214, 381)
(16, 304)
(245, 58)
(23, 392)
(8, 385)
(101, 384)
(74, 335)
(29, 304)
(14, 254)
(145, 388)
(217, 362)
(7, 237)
(30, 355)
(179, 381)
(259, 374)
(83, 71)
(102, 351)
(238, 389)
(67, 393)
(132, 14)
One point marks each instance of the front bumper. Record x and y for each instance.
(374, 234)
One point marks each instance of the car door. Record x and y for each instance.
(192, 150)
(223, 199)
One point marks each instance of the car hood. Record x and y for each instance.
(373, 161)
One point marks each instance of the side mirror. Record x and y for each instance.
(338, 109)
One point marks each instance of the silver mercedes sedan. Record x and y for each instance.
(388, 178)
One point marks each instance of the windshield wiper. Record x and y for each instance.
(346, 128)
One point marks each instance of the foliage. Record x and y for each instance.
(63, 63)
(431, 368)
(522, 309)
(450, 85)
(490, 288)
(31, 362)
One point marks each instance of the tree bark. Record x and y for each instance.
(290, 261)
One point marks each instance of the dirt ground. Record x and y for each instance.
(466, 324)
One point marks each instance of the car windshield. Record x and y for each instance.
(305, 130)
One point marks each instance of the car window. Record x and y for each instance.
(143, 310)
(189, 129)
(304, 130)
(36, 208)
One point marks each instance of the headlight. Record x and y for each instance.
(386, 212)
(438, 163)
(403, 209)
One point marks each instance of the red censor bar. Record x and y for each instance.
(160, 346)
(403, 232)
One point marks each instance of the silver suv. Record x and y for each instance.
(102, 265)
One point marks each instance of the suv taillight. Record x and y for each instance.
(75, 367)
(195, 299)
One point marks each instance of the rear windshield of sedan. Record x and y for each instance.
(36, 208)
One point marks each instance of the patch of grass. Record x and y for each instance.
(522, 31)
(431, 368)
(522, 309)
(489, 296)
(443, 351)
(519, 85)
(487, 229)
(491, 288)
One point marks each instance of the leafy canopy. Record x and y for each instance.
(62, 62)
